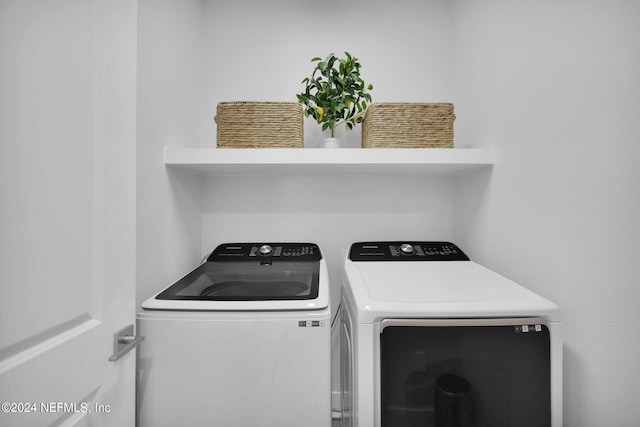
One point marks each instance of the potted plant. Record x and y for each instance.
(335, 94)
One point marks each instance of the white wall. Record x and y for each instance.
(553, 86)
(169, 102)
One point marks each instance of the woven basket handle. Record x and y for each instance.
(359, 118)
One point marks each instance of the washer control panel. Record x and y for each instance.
(406, 251)
(266, 251)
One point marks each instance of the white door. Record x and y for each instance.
(67, 210)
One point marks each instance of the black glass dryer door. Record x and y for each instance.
(475, 375)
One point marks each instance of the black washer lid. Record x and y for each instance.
(406, 251)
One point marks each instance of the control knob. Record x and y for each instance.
(265, 249)
(406, 248)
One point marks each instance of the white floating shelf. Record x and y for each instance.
(247, 161)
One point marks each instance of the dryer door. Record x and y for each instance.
(469, 373)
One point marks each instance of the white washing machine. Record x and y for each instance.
(430, 338)
(242, 340)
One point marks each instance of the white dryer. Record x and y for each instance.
(430, 338)
(242, 340)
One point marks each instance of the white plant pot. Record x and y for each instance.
(332, 143)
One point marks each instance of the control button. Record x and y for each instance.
(406, 248)
(265, 249)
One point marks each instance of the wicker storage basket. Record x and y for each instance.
(408, 125)
(259, 125)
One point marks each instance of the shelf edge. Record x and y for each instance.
(213, 161)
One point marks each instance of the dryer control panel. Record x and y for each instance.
(406, 251)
